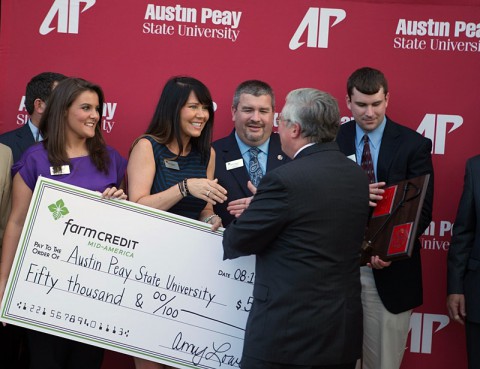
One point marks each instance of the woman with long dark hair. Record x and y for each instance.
(171, 166)
(73, 151)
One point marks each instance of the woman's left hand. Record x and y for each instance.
(114, 193)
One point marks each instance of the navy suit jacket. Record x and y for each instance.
(235, 180)
(464, 251)
(18, 140)
(305, 224)
(403, 154)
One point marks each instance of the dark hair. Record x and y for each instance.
(40, 87)
(165, 125)
(253, 87)
(368, 81)
(54, 119)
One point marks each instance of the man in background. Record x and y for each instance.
(305, 224)
(390, 153)
(463, 282)
(13, 350)
(251, 150)
(36, 97)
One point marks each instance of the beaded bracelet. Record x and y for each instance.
(209, 218)
(185, 186)
(181, 187)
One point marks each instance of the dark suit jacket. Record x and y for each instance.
(464, 252)
(235, 180)
(306, 226)
(18, 140)
(403, 154)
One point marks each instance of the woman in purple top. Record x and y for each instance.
(74, 152)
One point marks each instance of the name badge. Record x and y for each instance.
(171, 164)
(352, 157)
(58, 171)
(234, 164)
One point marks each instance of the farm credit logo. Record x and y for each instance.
(192, 22)
(430, 34)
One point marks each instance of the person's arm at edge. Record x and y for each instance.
(6, 191)
(21, 196)
(460, 248)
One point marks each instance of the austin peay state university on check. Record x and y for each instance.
(128, 278)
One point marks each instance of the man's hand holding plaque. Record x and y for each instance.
(393, 225)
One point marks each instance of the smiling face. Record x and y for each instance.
(83, 116)
(253, 118)
(368, 110)
(193, 117)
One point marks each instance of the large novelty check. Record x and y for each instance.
(128, 278)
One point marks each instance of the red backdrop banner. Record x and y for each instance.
(429, 51)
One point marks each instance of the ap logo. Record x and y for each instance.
(436, 127)
(316, 23)
(68, 15)
(422, 329)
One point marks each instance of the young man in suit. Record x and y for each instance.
(463, 282)
(252, 111)
(305, 224)
(36, 96)
(13, 349)
(390, 290)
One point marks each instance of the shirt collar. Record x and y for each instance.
(244, 147)
(375, 136)
(303, 148)
(35, 131)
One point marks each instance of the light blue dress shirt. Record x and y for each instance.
(262, 154)
(35, 131)
(375, 138)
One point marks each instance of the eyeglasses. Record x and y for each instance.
(279, 119)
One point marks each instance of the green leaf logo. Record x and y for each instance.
(58, 209)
